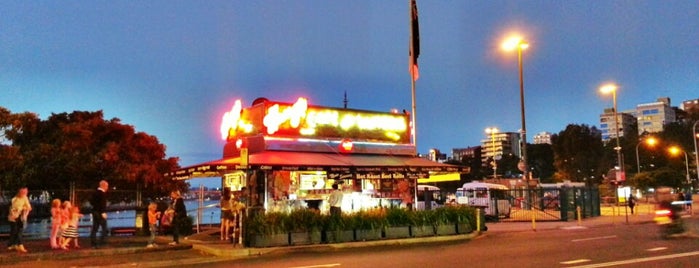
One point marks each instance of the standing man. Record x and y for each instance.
(335, 201)
(179, 217)
(99, 214)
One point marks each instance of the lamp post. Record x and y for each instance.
(696, 153)
(676, 150)
(611, 88)
(650, 141)
(520, 44)
(492, 131)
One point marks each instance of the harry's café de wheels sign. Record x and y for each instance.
(301, 127)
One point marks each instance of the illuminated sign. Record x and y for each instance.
(300, 120)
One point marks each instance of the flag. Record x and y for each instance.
(414, 51)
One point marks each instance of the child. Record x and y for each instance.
(153, 215)
(56, 216)
(71, 232)
(65, 220)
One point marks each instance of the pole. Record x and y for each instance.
(525, 173)
(696, 153)
(638, 163)
(412, 90)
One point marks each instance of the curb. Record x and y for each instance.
(83, 253)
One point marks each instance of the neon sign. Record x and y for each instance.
(300, 120)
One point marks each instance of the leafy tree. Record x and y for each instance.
(666, 176)
(540, 158)
(577, 153)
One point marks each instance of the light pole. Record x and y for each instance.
(696, 153)
(676, 150)
(492, 131)
(650, 141)
(612, 88)
(520, 44)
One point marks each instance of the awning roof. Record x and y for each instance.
(281, 160)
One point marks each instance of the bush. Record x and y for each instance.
(268, 223)
(396, 217)
(455, 215)
(373, 219)
(303, 220)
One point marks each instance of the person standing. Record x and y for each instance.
(17, 216)
(335, 201)
(56, 217)
(99, 214)
(153, 215)
(226, 213)
(631, 203)
(71, 232)
(179, 216)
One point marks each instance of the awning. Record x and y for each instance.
(441, 178)
(282, 160)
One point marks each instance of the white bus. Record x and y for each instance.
(438, 197)
(486, 196)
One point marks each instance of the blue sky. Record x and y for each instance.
(171, 68)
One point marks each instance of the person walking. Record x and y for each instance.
(179, 216)
(99, 214)
(631, 203)
(56, 218)
(70, 233)
(17, 216)
(335, 201)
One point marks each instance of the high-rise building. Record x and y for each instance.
(499, 144)
(607, 124)
(691, 106)
(542, 138)
(458, 154)
(653, 116)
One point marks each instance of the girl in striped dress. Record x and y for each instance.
(71, 232)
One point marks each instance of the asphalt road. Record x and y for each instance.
(612, 246)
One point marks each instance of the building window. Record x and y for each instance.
(603, 125)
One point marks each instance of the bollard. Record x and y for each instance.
(579, 216)
(533, 220)
(478, 220)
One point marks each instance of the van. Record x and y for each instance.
(492, 198)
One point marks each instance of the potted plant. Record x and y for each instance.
(304, 226)
(465, 218)
(369, 224)
(268, 230)
(398, 222)
(338, 229)
(422, 223)
(443, 221)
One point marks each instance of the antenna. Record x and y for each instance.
(345, 100)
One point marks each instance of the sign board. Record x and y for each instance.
(244, 157)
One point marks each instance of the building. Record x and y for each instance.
(691, 106)
(436, 155)
(459, 154)
(499, 144)
(653, 116)
(607, 125)
(542, 138)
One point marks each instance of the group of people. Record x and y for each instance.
(65, 219)
(231, 213)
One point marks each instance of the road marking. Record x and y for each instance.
(318, 266)
(575, 261)
(573, 227)
(639, 260)
(594, 238)
(656, 249)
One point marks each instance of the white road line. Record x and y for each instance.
(318, 266)
(575, 261)
(639, 260)
(656, 249)
(594, 238)
(573, 227)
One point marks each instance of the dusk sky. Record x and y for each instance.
(172, 68)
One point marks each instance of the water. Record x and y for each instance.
(211, 214)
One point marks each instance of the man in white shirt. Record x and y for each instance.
(335, 201)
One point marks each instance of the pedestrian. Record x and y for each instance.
(153, 215)
(66, 210)
(17, 216)
(226, 213)
(335, 201)
(688, 200)
(56, 217)
(179, 216)
(631, 202)
(70, 233)
(99, 214)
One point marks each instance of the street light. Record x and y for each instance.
(674, 150)
(696, 153)
(519, 44)
(492, 131)
(651, 142)
(612, 88)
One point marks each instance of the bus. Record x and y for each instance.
(492, 198)
(436, 198)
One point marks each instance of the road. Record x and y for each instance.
(618, 246)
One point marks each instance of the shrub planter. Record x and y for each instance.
(269, 240)
(304, 238)
(397, 232)
(365, 235)
(463, 228)
(445, 229)
(339, 236)
(422, 230)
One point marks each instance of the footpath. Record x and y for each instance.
(206, 247)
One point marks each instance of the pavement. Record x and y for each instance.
(207, 241)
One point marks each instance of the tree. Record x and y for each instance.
(577, 153)
(83, 148)
(661, 177)
(541, 159)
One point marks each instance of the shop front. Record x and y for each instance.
(283, 156)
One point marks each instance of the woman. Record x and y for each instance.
(19, 210)
(178, 217)
(226, 213)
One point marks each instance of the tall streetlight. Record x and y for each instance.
(650, 142)
(606, 89)
(492, 131)
(674, 150)
(519, 44)
(696, 153)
